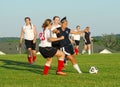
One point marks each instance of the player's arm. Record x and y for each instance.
(52, 39)
(75, 32)
(91, 37)
(35, 34)
(56, 31)
(21, 37)
(83, 35)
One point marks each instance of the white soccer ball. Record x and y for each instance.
(93, 70)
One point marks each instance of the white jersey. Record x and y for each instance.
(28, 32)
(44, 38)
(76, 36)
(54, 34)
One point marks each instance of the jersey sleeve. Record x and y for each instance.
(47, 34)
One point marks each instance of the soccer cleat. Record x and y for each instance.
(61, 73)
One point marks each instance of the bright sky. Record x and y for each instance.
(102, 16)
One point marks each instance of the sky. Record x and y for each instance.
(102, 16)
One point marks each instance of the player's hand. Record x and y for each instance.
(62, 37)
(34, 41)
(57, 31)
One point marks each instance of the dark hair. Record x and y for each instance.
(77, 26)
(27, 18)
(55, 17)
(46, 23)
(87, 27)
(63, 20)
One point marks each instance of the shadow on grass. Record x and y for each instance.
(24, 66)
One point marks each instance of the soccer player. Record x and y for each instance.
(47, 51)
(29, 33)
(65, 44)
(56, 24)
(87, 39)
(76, 38)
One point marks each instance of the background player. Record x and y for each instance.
(29, 33)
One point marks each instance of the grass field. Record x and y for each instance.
(16, 72)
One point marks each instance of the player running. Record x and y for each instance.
(29, 33)
(47, 51)
(56, 24)
(77, 40)
(65, 44)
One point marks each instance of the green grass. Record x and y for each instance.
(16, 72)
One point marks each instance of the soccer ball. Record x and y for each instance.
(93, 70)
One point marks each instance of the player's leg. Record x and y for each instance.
(89, 49)
(29, 55)
(84, 49)
(47, 66)
(29, 51)
(34, 52)
(74, 63)
(60, 55)
(34, 55)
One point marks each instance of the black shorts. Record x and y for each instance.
(87, 43)
(77, 42)
(30, 44)
(48, 52)
(56, 44)
(68, 50)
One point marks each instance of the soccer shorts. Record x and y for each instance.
(68, 50)
(77, 42)
(30, 44)
(48, 52)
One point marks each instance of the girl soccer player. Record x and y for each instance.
(46, 49)
(56, 24)
(65, 44)
(29, 33)
(87, 39)
(77, 40)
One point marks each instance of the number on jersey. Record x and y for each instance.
(42, 37)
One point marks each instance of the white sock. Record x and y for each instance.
(83, 51)
(89, 52)
(77, 68)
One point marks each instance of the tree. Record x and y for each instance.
(109, 41)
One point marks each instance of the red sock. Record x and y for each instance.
(76, 51)
(30, 60)
(60, 65)
(34, 58)
(46, 69)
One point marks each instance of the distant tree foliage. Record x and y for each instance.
(111, 41)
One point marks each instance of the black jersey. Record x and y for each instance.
(87, 37)
(65, 33)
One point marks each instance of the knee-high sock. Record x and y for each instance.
(77, 51)
(77, 68)
(60, 65)
(89, 52)
(30, 59)
(46, 69)
(34, 58)
(83, 51)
